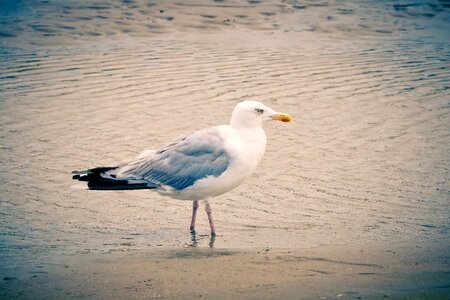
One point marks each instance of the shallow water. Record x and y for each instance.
(367, 158)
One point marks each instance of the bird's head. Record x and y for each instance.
(253, 114)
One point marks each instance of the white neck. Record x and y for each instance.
(255, 140)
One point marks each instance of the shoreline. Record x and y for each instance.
(418, 271)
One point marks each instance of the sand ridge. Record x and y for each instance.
(26, 22)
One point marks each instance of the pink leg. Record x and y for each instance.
(194, 214)
(210, 219)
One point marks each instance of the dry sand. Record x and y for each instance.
(352, 200)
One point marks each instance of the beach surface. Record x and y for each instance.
(403, 271)
(350, 201)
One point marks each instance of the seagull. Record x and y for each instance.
(197, 166)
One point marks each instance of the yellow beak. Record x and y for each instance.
(282, 117)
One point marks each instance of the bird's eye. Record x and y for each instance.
(259, 111)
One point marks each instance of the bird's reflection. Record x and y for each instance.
(212, 240)
(195, 239)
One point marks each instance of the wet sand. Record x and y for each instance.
(327, 272)
(362, 173)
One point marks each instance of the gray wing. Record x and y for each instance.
(182, 163)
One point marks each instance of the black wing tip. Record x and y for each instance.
(118, 186)
(90, 174)
(96, 181)
(95, 171)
